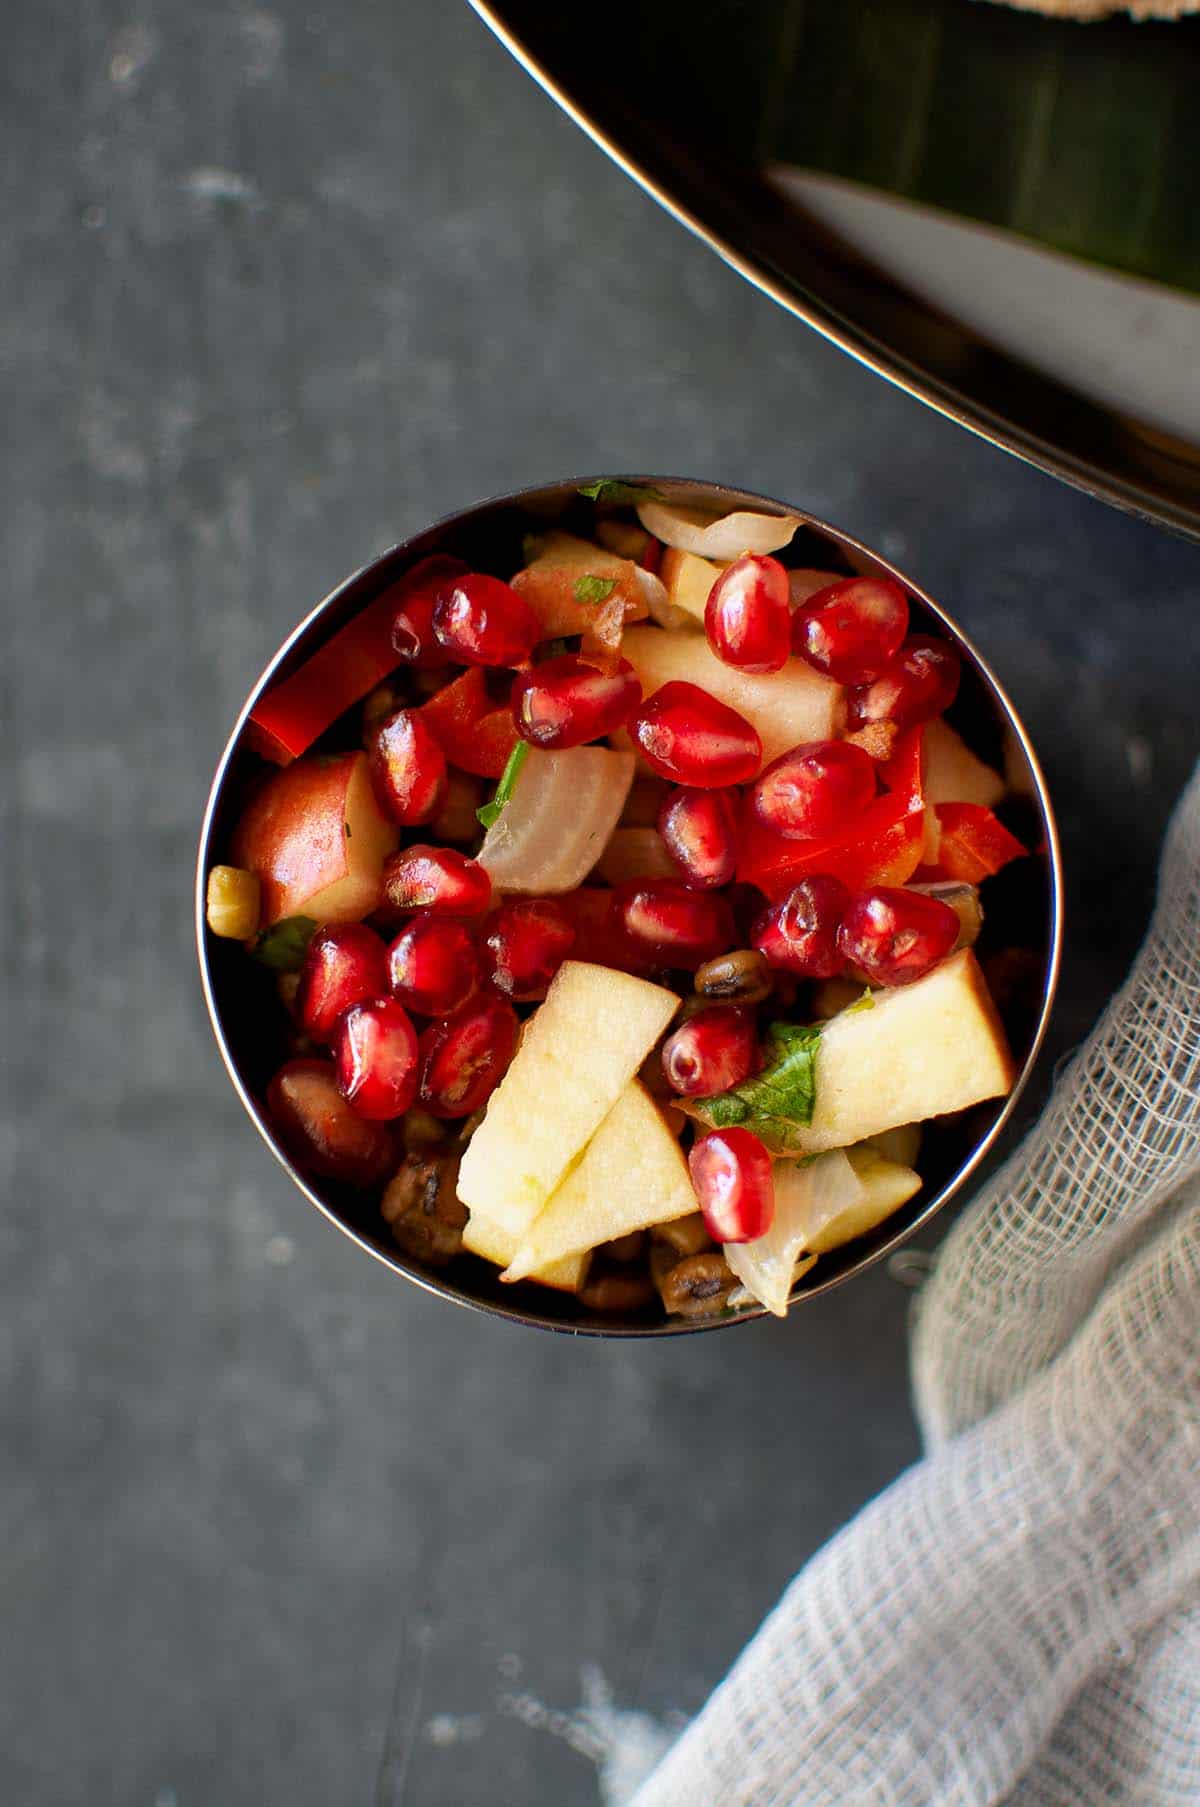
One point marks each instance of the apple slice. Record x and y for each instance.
(920, 1051)
(317, 839)
(688, 580)
(571, 580)
(499, 1246)
(632, 1175)
(578, 1053)
(886, 1185)
(953, 774)
(787, 707)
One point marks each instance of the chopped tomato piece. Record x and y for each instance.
(297, 710)
(974, 842)
(476, 733)
(881, 847)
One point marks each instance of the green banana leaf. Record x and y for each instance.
(1082, 137)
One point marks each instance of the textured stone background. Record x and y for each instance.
(278, 286)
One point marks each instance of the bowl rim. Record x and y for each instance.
(516, 1313)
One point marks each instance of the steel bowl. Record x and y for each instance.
(1024, 919)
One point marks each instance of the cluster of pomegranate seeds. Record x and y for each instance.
(799, 934)
(731, 1171)
(896, 936)
(747, 618)
(479, 620)
(438, 879)
(715, 1049)
(919, 683)
(700, 831)
(344, 965)
(852, 630)
(408, 768)
(690, 737)
(375, 1053)
(527, 941)
(433, 964)
(565, 702)
(464, 1056)
(321, 1130)
(814, 790)
(675, 925)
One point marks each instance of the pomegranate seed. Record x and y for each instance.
(813, 790)
(713, 1050)
(564, 702)
(482, 621)
(321, 1132)
(433, 965)
(376, 1055)
(408, 768)
(896, 936)
(413, 637)
(731, 1171)
(700, 830)
(437, 879)
(343, 966)
(746, 617)
(687, 735)
(527, 941)
(465, 1056)
(799, 934)
(853, 629)
(680, 927)
(916, 685)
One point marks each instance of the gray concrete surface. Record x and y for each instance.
(278, 285)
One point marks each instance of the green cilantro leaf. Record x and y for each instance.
(283, 946)
(594, 589)
(776, 1102)
(866, 1002)
(488, 812)
(611, 489)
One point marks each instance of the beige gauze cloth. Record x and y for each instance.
(1017, 1619)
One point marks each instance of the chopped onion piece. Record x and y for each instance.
(742, 1296)
(808, 1195)
(559, 819)
(963, 899)
(716, 536)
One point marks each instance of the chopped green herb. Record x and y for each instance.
(866, 1002)
(594, 589)
(778, 1101)
(283, 946)
(488, 812)
(612, 489)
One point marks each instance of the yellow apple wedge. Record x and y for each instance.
(886, 1185)
(786, 707)
(499, 1246)
(632, 1175)
(578, 1053)
(688, 579)
(953, 774)
(920, 1051)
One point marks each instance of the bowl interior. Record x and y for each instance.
(1019, 945)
